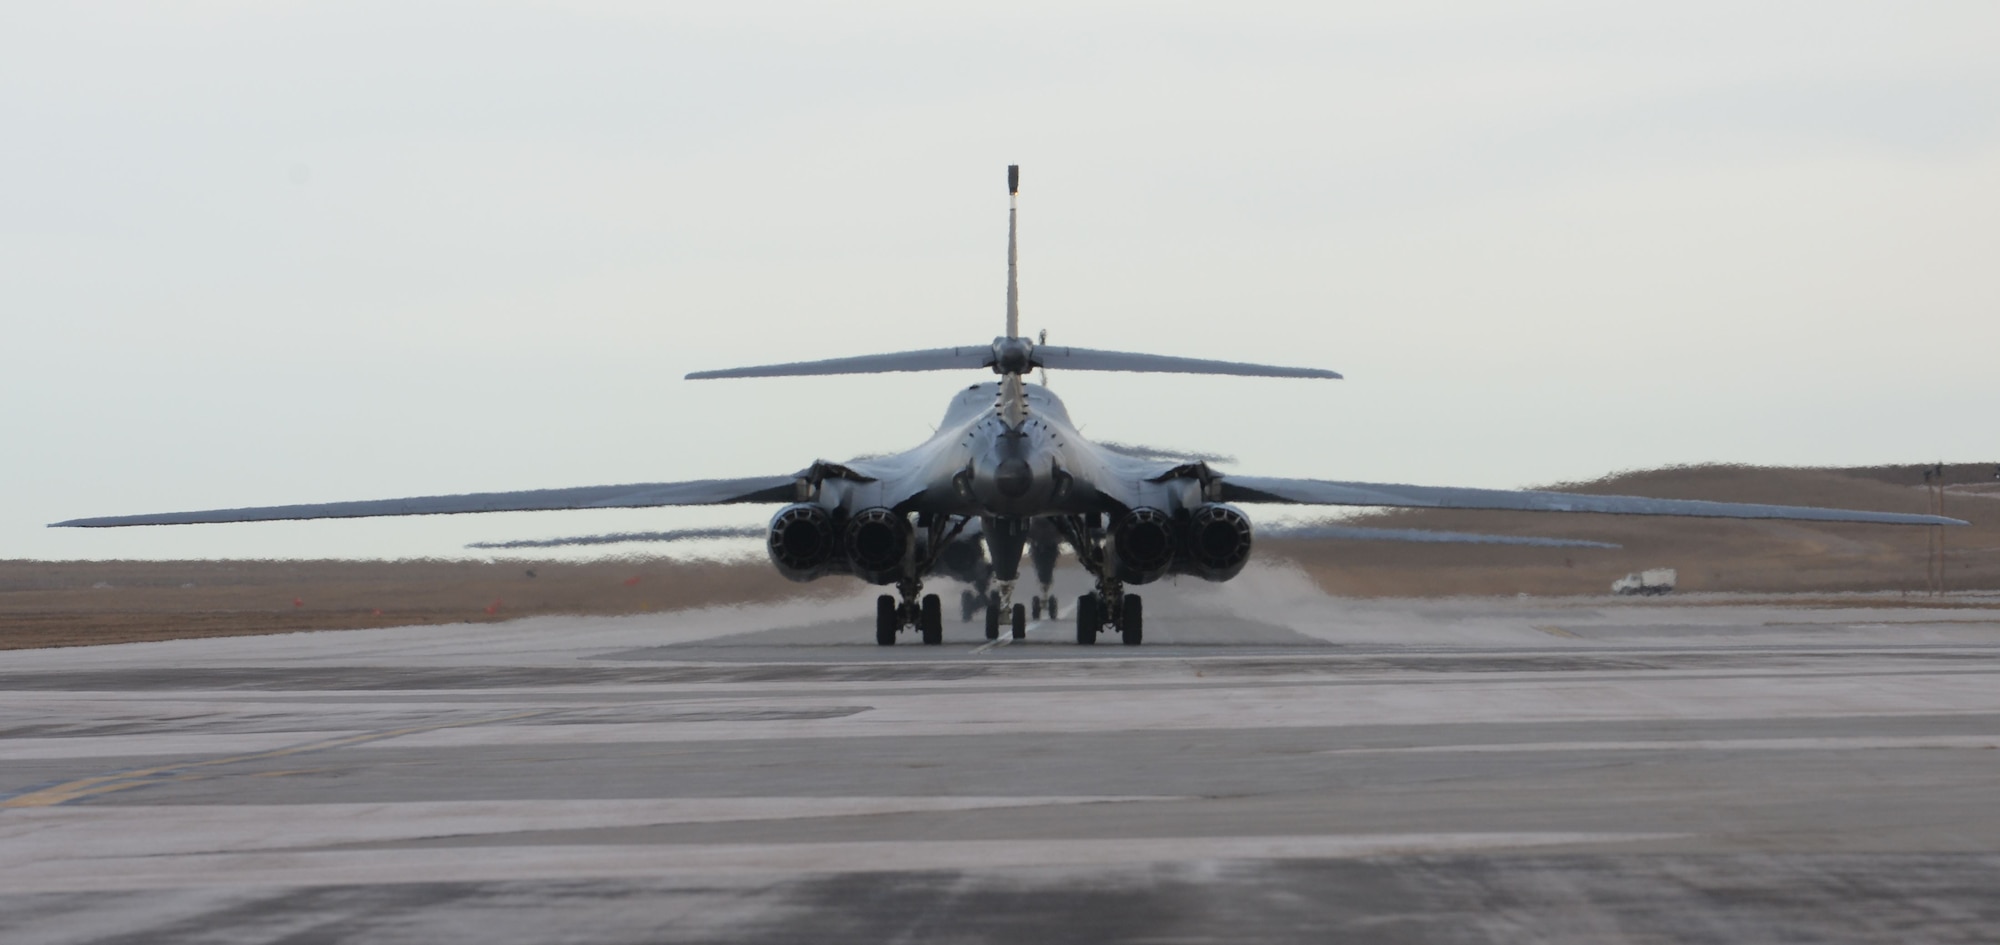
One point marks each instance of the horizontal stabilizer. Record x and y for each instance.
(1090, 359)
(1252, 489)
(1012, 355)
(1357, 533)
(621, 538)
(931, 359)
(762, 489)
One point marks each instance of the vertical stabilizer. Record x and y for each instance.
(1013, 399)
(1013, 259)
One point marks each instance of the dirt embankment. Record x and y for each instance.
(1710, 554)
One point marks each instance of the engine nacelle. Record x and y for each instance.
(879, 542)
(1218, 542)
(1140, 546)
(801, 542)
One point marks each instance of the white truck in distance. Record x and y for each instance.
(1649, 581)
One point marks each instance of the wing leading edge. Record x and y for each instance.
(1252, 489)
(760, 489)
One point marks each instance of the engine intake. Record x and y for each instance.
(801, 542)
(1141, 546)
(1218, 541)
(878, 541)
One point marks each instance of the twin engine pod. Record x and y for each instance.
(1218, 544)
(878, 544)
(801, 542)
(1140, 547)
(873, 544)
(1211, 542)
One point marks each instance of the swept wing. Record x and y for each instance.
(760, 489)
(1396, 495)
(1422, 536)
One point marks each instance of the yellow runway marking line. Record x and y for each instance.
(1557, 632)
(160, 774)
(288, 772)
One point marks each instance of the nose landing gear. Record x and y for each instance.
(1014, 616)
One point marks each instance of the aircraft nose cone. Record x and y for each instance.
(1014, 478)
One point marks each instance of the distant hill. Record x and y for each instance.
(1710, 554)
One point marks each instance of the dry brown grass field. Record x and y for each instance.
(79, 603)
(72, 603)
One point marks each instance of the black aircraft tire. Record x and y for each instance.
(1052, 606)
(993, 620)
(1087, 621)
(932, 621)
(1132, 623)
(968, 604)
(1020, 621)
(886, 621)
(1037, 611)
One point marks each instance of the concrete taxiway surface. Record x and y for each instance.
(1273, 765)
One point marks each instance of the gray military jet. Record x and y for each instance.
(1007, 457)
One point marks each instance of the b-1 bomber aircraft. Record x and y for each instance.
(1007, 465)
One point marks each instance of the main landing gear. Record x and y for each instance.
(1094, 616)
(925, 615)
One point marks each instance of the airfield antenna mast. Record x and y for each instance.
(1013, 276)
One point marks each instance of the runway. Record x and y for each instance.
(1273, 765)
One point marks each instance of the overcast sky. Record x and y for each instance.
(259, 253)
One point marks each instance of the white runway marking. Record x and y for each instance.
(545, 863)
